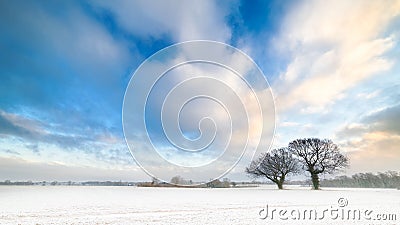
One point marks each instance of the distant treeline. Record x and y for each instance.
(8, 182)
(389, 179)
(70, 183)
(178, 181)
(225, 183)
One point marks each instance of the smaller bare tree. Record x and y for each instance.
(275, 166)
(177, 180)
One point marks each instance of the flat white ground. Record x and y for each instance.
(133, 205)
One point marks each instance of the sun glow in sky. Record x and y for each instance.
(333, 67)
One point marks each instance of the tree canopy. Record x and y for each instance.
(274, 166)
(318, 156)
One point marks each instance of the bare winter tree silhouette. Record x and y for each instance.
(318, 157)
(275, 166)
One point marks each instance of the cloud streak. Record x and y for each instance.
(181, 20)
(334, 46)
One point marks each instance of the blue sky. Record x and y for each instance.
(333, 68)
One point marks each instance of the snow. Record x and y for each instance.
(139, 205)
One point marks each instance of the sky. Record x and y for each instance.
(333, 68)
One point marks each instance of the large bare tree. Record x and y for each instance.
(318, 157)
(275, 166)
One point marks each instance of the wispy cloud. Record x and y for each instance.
(30, 131)
(375, 139)
(334, 46)
(179, 20)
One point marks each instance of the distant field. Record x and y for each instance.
(133, 205)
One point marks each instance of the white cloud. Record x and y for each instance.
(373, 139)
(18, 121)
(183, 20)
(334, 46)
(243, 102)
(369, 95)
(288, 124)
(374, 152)
(73, 37)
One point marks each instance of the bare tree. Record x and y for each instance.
(318, 157)
(154, 181)
(178, 180)
(275, 166)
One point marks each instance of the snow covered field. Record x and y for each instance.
(133, 205)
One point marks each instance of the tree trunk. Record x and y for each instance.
(280, 185)
(315, 181)
(281, 181)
